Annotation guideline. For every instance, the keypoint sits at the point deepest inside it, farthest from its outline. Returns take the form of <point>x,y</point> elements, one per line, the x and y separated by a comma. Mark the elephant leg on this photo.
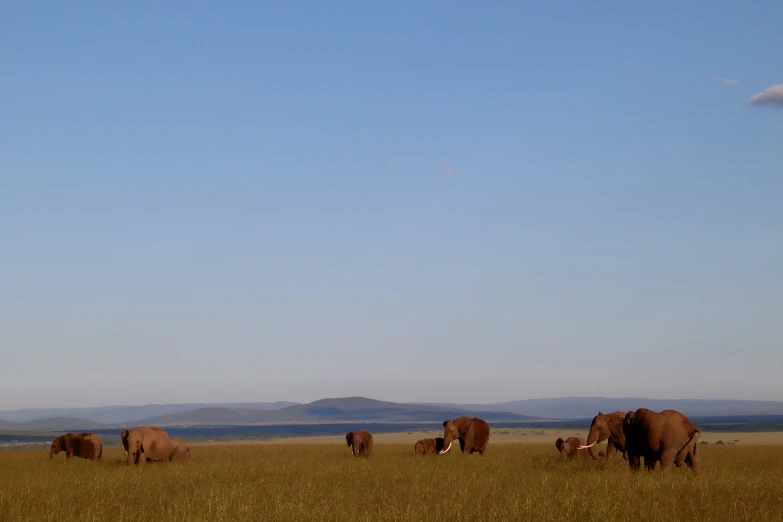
<point>681,459</point>
<point>687,455</point>
<point>668,458</point>
<point>695,459</point>
<point>634,462</point>
<point>610,451</point>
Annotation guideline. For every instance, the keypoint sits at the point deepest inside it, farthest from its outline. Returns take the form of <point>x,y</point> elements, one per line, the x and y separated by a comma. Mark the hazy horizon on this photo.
<point>447,403</point>
<point>452,203</point>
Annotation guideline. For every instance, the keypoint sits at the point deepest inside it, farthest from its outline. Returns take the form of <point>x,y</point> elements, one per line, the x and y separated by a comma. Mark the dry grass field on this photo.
<point>323,482</point>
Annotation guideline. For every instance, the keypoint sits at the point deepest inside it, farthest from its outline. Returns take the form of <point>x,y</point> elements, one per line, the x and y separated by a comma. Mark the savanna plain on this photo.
<point>322,481</point>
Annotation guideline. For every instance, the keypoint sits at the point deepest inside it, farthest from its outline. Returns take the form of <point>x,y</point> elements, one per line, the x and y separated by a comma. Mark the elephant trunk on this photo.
<point>595,453</point>
<point>592,439</point>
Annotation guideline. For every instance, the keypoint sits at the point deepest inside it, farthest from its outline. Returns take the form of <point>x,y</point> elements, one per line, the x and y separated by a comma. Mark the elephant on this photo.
<point>573,447</point>
<point>165,449</point>
<point>135,441</point>
<point>607,426</point>
<point>473,435</point>
<point>360,443</point>
<point>85,445</point>
<point>668,437</point>
<point>428,446</point>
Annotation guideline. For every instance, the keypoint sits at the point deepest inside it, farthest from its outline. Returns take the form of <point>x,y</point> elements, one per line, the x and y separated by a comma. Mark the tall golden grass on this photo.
<point>323,482</point>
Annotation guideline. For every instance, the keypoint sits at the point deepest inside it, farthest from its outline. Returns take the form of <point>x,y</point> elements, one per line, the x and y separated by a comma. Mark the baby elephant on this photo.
<point>428,446</point>
<point>569,448</point>
<point>84,445</point>
<point>165,449</point>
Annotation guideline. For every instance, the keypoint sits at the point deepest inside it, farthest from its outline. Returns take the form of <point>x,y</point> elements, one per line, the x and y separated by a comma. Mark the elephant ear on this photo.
<point>628,422</point>
<point>463,423</point>
<point>349,438</point>
<point>559,443</point>
<point>68,440</point>
<point>59,443</point>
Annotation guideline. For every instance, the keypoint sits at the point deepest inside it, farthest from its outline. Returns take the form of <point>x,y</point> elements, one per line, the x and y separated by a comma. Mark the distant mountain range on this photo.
<point>348,409</point>
<point>122,414</point>
<point>361,409</point>
<point>331,410</point>
<point>569,408</point>
<point>51,423</point>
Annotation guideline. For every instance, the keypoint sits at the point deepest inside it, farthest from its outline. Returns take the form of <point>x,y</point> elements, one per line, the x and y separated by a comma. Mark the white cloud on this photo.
<point>772,97</point>
<point>725,81</point>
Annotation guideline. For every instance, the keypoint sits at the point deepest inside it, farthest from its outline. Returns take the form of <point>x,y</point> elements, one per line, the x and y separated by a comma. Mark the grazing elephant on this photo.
<point>473,435</point>
<point>165,449</point>
<point>360,443</point>
<point>135,441</point>
<point>668,437</point>
<point>428,446</point>
<point>84,445</point>
<point>607,427</point>
<point>574,447</point>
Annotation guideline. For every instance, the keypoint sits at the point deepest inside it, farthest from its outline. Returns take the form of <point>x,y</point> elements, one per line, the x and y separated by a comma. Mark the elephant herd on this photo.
<point>667,437</point>
<point>141,445</point>
<point>472,434</point>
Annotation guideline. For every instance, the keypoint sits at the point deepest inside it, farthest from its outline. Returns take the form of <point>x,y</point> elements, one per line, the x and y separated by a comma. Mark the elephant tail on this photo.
<point>691,446</point>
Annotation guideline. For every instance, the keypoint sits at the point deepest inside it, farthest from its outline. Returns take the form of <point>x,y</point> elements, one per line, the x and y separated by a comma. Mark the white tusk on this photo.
<point>446,450</point>
<point>588,446</point>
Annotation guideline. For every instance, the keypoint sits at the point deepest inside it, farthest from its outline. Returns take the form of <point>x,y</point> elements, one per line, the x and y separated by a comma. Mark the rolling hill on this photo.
<point>51,424</point>
<point>329,410</point>
<point>201,416</point>
<point>124,414</point>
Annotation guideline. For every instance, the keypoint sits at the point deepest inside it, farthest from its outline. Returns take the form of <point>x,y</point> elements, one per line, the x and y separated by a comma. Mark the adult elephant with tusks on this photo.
<point>606,427</point>
<point>360,443</point>
<point>473,435</point>
<point>668,437</point>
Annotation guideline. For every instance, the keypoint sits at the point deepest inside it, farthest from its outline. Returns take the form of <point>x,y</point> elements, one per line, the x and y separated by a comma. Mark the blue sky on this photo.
<point>425,201</point>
